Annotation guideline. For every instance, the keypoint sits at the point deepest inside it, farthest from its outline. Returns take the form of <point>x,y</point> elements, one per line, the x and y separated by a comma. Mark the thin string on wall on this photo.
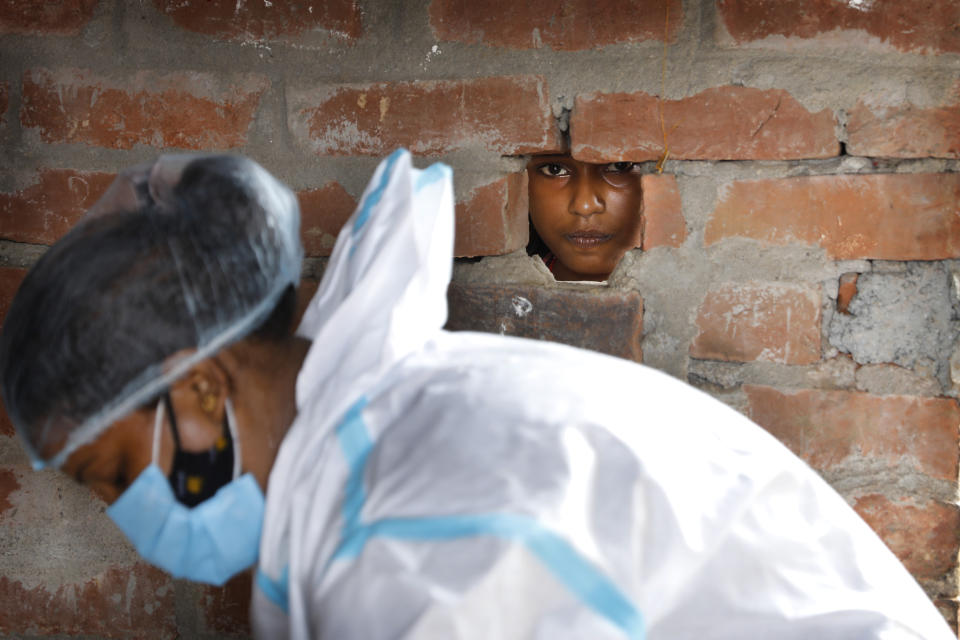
<point>663,88</point>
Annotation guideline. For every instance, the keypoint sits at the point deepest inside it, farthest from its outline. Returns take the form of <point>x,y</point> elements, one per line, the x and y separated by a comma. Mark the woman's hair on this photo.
<point>123,291</point>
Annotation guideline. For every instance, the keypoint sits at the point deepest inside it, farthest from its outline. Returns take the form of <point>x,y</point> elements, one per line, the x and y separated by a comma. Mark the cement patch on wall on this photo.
<point>904,318</point>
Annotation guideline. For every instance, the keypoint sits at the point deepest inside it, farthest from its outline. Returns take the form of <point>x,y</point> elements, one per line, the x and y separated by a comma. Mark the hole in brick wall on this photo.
<point>583,216</point>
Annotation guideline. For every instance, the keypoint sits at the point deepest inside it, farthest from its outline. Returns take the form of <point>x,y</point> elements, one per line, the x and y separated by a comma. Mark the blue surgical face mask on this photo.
<point>208,543</point>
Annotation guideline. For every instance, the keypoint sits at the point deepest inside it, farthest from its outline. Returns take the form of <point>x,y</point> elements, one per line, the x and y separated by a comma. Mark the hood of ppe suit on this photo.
<point>383,296</point>
<point>384,291</point>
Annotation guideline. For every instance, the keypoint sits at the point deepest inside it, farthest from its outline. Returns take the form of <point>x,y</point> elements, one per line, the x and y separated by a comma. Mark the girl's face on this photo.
<point>588,215</point>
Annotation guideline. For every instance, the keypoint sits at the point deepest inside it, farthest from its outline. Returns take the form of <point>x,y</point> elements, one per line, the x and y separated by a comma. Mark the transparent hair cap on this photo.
<point>216,262</point>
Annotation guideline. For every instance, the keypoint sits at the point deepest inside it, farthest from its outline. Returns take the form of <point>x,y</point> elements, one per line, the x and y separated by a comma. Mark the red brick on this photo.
<point>925,536</point>
<point>229,19</point>
<point>827,428</point>
<point>61,17</point>
<point>4,102</point>
<point>493,218</point>
<point>508,115</point>
<point>10,279</point>
<point>187,110</point>
<point>6,424</point>
<point>846,291</point>
<point>884,217</point>
<point>908,25</point>
<point>904,131</point>
<point>128,602</point>
<point>8,485</point>
<point>44,211</point>
<point>663,221</point>
<point>771,322</point>
<point>573,25</point>
<point>598,318</point>
<point>226,609</point>
<point>723,123</point>
<point>323,212</point>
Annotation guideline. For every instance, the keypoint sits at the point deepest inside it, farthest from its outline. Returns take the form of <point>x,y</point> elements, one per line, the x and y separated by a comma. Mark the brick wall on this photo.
<point>800,260</point>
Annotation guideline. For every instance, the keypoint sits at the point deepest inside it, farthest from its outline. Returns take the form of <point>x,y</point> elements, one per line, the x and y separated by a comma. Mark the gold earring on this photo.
<point>208,402</point>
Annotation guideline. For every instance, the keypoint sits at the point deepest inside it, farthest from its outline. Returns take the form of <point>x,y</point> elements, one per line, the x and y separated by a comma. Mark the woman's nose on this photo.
<point>586,199</point>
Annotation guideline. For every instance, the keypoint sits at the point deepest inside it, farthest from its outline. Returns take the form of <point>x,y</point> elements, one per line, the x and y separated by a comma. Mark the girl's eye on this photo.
<point>618,167</point>
<point>554,170</point>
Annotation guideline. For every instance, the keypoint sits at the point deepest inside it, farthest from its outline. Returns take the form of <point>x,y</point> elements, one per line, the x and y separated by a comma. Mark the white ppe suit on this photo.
<point>465,486</point>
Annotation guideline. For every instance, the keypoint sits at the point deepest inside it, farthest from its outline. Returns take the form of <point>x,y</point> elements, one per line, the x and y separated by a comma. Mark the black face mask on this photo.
<point>195,477</point>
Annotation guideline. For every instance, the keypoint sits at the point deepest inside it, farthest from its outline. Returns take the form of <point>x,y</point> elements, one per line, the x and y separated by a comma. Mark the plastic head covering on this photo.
<point>179,258</point>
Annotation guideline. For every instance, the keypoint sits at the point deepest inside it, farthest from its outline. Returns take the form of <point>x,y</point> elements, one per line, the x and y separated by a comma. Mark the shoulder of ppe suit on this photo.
<point>536,377</point>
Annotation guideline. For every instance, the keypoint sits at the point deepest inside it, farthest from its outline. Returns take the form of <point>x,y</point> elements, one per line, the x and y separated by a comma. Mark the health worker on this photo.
<point>385,479</point>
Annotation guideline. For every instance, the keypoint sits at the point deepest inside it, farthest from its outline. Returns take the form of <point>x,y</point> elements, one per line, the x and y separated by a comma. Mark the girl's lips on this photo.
<point>587,239</point>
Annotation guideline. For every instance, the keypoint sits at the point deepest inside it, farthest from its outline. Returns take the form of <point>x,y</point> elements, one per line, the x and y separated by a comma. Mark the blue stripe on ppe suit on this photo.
<point>567,565</point>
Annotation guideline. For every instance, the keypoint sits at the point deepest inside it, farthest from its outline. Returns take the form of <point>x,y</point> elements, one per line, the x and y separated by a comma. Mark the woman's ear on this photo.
<point>199,402</point>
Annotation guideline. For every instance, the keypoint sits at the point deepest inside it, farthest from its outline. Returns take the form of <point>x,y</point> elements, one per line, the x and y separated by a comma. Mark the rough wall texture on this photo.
<point>801,262</point>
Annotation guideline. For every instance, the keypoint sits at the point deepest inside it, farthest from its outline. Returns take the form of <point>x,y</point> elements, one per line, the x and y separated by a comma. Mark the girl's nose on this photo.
<point>586,199</point>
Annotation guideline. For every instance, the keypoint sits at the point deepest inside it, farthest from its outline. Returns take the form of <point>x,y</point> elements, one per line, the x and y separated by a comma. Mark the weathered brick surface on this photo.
<point>45,210</point>
<point>663,221</point>
<point>599,319</point>
<point>226,609</point>
<point>723,123</point>
<point>925,535</point>
<point>908,25</point>
<point>846,290</point>
<point>228,19</point>
<point>8,485</point>
<point>63,17</point>
<point>4,103</point>
<point>127,602</point>
<point>830,428</point>
<point>568,26</point>
<point>885,216</point>
<point>492,219</point>
<point>903,131</point>
<point>10,279</point>
<point>322,213</point>
<point>188,110</point>
<point>772,322</point>
<point>6,425</point>
<point>504,114</point>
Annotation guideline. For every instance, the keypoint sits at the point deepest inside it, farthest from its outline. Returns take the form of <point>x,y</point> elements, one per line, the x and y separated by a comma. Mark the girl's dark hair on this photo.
<point>535,245</point>
<point>123,291</point>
